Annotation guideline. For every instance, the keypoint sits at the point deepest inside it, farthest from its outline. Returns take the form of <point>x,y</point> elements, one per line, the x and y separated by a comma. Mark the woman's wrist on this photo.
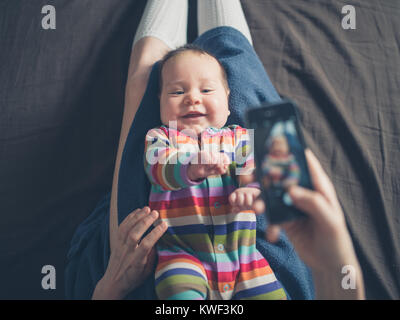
<point>107,290</point>
<point>345,282</point>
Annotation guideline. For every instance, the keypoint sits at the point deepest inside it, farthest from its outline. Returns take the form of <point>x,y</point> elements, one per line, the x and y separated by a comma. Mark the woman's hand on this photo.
<point>132,260</point>
<point>323,229</point>
<point>321,239</point>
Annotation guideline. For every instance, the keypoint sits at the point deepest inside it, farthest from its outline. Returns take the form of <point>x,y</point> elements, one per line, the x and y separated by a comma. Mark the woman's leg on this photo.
<point>249,83</point>
<point>162,28</point>
<point>165,20</point>
<point>217,13</point>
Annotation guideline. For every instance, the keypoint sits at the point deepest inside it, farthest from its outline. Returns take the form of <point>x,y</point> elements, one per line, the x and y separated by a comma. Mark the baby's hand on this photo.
<point>208,164</point>
<point>243,198</point>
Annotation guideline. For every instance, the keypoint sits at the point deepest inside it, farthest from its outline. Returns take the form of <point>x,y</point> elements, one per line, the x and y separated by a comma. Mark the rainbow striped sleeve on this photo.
<point>164,164</point>
<point>244,157</point>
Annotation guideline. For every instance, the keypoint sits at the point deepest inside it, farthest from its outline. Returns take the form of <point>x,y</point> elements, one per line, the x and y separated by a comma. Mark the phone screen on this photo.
<point>280,160</point>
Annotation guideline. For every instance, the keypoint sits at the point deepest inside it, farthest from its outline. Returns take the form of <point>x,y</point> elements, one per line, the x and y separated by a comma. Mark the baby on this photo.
<point>209,249</point>
<point>280,169</point>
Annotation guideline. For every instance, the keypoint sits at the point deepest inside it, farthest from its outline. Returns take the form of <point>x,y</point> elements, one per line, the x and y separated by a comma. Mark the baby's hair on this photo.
<point>189,48</point>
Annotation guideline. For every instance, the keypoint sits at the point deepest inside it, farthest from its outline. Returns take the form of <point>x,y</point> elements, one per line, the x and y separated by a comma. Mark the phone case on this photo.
<point>279,154</point>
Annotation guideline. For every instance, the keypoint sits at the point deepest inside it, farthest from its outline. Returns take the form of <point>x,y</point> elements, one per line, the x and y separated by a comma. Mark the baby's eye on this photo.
<point>207,90</point>
<point>176,92</point>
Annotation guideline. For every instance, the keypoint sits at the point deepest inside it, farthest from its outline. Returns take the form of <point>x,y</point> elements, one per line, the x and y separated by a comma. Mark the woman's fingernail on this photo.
<point>145,210</point>
<point>154,214</point>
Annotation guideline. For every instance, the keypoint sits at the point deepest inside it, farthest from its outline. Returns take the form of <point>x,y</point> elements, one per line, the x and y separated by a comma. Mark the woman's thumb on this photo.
<point>310,202</point>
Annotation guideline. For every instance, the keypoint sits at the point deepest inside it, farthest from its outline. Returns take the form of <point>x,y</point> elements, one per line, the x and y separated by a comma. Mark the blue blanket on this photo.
<point>249,85</point>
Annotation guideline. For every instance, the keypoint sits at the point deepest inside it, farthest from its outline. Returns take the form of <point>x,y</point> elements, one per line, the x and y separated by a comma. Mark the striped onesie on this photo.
<point>207,252</point>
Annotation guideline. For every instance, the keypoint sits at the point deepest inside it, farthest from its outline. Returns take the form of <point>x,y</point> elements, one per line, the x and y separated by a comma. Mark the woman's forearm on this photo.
<point>344,280</point>
<point>344,283</point>
<point>106,291</point>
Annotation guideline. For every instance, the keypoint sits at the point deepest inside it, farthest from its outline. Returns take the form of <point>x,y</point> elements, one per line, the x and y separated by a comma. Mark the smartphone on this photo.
<point>279,156</point>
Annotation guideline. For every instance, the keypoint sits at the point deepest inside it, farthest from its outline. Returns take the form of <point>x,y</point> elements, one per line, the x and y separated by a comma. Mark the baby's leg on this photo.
<point>180,276</point>
<point>256,280</point>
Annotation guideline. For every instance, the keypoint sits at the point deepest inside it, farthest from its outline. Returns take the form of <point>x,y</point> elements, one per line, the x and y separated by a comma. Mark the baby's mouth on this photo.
<point>193,114</point>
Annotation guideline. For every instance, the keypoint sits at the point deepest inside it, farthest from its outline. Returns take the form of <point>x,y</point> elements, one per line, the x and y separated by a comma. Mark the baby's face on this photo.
<point>193,92</point>
<point>279,146</point>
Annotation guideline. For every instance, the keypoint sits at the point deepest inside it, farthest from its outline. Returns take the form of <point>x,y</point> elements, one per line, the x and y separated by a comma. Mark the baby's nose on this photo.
<point>192,98</point>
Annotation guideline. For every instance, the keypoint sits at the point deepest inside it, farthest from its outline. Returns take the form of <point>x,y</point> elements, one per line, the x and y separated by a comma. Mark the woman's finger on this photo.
<point>320,179</point>
<point>272,233</point>
<point>127,224</point>
<point>308,201</point>
<point>140,228</point>
<point>150,240</point>
<point>150,260</point>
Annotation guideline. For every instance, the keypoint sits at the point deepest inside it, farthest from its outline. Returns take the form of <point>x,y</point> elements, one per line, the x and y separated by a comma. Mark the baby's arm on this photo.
<point>243,197</point>
<point>243,153</point>
<point>172,169</point>
<point>164,164</point>
<point>206,164</point>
